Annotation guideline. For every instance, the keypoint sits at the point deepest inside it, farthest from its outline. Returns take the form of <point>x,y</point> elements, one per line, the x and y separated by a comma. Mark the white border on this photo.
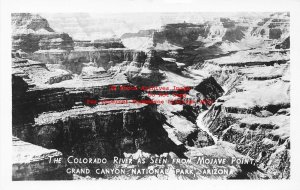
<point>116,6</point>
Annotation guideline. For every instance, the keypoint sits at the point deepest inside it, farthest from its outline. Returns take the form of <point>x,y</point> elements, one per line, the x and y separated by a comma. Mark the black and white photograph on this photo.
<point>153,95</point>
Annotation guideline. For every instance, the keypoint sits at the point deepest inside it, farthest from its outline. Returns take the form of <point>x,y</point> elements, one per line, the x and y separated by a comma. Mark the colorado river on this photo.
<point>203,127</point>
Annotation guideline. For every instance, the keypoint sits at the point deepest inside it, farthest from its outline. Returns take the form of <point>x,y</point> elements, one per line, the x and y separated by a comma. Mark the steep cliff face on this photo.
<point>32,32</point>
<point>108,130</point>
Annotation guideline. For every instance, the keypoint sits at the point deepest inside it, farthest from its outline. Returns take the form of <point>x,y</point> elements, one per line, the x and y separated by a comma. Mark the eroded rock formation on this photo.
<point>254,119</point>
<point>32,33</point>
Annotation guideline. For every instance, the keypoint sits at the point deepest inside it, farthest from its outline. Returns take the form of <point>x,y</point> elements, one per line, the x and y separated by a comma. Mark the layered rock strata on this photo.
<point>254,119</point>
<point>32,33</point>
<point>74,60</point>
<point>193,43</point>
<point>108,130</point>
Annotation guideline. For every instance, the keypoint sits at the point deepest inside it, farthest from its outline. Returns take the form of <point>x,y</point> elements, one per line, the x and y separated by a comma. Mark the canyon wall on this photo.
<point>72,60</point>
<point>192,43</point>
<point>254,113</point>
<point>32,32</point>
<point>108,130</point>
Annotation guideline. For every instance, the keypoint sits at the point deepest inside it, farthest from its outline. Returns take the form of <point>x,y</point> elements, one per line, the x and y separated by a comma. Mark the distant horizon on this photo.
<point>93,26</point>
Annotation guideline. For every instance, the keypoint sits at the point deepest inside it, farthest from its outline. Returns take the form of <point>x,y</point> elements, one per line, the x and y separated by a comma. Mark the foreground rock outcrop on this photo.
<point>32,162</point>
